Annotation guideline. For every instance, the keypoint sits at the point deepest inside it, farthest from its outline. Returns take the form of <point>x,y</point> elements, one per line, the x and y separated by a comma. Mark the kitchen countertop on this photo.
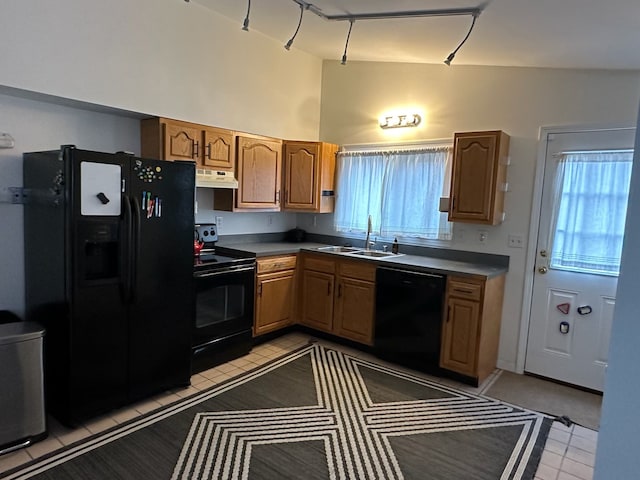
<point>412,262</point>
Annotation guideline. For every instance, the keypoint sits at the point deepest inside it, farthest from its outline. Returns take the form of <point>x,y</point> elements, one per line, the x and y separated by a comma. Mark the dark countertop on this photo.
<point>410,262</point>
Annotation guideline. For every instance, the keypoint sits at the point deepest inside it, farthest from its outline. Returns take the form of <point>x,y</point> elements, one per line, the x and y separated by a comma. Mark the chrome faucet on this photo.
<point>367,246</point>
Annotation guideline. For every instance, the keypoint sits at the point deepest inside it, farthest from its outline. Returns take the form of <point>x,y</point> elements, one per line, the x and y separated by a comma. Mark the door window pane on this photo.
<point>592,189</point>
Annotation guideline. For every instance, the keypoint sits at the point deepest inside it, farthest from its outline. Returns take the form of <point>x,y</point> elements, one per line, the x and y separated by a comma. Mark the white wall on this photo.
<point>161,57</point>
<point>617,453</point>
<point>460,98</point>
<point>36,126</point>
<point>151,57</point>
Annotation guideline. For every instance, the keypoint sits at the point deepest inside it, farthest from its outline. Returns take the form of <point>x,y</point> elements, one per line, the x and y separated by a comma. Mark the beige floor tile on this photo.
<point>198,378</point>
<point>583,443</point>
<point>545,472</point>
<point>168,398</point>
<point>555,446</point>
<point>125,414</point>
<point>147,406</point>
<point>187,392</point>
<point>587,433</point>
<point>581,456</point>
<point>567,476</point>
<point>13,459</point>
<point>100,424</point>
<point>205,385</point>
<point>43,447</point>
<point>559,435</point>
<point>226,367</point>
<point>71,436</point>
<point>580,470</point>
<point>551,459</point>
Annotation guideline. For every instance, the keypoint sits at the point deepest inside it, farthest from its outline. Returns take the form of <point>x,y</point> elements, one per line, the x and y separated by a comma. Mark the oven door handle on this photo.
<point>222,272</point>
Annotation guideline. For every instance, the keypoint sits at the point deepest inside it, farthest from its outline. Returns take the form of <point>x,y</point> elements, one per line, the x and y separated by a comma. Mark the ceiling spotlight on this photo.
<point>346,45</point>
<point>453,54</point>
<point>290,42</point>
<point>245,24</point>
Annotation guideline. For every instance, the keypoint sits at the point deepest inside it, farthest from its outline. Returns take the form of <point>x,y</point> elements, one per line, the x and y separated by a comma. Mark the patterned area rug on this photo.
<point>316,413</point>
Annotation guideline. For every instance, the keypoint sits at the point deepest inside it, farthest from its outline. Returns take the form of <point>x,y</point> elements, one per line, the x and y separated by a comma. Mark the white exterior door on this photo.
<point>575,279</point>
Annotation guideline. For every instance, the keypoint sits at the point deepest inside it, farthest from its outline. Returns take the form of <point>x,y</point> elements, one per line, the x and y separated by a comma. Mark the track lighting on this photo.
<point>453,54</point>
<point>346,44</point>
<point>295,34</point>
<point>245,24</point>
<point>351,18</point>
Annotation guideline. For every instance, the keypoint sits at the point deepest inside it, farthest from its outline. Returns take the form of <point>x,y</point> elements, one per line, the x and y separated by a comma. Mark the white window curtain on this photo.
<point>591,191</point>
<point>401,191</point>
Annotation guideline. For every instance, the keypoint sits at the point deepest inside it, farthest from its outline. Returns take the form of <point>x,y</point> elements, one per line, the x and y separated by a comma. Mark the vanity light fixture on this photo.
<point>352,17</point>
<point>399,121</point>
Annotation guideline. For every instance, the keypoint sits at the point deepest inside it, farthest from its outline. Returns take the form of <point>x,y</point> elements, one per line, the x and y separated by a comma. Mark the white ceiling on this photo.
<point>534,33</point>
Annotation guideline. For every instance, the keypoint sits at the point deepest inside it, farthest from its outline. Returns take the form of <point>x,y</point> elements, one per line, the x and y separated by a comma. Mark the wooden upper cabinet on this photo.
<point>181,142</point>
<point>259,172</point>
<point>218,149</point>
<point>309,170</point>
<point>478,177</point>
<point>165,139</point>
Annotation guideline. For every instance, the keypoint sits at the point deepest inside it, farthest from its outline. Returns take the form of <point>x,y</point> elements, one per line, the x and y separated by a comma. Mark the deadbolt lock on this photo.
<point>543,253</point>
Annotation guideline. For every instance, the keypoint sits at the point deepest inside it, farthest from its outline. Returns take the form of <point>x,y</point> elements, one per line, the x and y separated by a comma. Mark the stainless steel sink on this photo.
<point>339,249</point>
<point>375,253</point>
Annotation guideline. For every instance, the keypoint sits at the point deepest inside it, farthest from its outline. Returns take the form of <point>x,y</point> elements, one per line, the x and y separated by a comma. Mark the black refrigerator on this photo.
<point>109,273</point>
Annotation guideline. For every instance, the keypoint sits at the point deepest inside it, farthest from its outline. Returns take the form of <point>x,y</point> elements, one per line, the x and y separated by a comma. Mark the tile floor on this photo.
<point>569,453</point>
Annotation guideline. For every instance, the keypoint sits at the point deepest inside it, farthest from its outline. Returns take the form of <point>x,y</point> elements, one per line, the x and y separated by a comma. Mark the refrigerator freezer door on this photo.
<point>100,189</point>
<point>162,313</point>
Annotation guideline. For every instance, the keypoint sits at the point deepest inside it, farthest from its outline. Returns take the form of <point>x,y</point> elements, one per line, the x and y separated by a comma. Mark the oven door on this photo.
<point>224,303</point>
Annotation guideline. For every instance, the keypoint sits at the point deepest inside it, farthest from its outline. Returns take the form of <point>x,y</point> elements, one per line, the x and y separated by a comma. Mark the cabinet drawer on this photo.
<point>464,288</point>
<point>275,264</point>
<point>319,264</point>
<point>360,270</point>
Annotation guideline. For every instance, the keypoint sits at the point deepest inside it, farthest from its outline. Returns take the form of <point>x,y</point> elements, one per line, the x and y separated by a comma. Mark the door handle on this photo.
<point>543,270</point>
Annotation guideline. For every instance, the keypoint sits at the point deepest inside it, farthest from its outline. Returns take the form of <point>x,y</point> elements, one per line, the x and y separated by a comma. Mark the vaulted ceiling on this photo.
<point>603,34</point>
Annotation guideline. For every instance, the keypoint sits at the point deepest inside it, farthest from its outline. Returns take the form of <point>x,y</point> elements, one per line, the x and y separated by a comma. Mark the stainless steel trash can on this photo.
<point>22,415</point>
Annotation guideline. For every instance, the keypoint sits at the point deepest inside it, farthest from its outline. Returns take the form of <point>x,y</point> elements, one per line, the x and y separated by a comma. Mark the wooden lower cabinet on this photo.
<point>471,329</point>
<point>338,297</point>
<point>317,300</point>
<point>275,294</point>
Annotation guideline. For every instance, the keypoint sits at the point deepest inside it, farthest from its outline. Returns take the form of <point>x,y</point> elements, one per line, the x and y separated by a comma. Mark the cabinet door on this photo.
<point>477,177</point>
<point>460,336</point>
<point>301,176</point>
<point>355,300</point>
<point>317,300</point>
<point>259,172</point>
<point>274,301</point>
<point>181,142</point>
<point>219,151</point>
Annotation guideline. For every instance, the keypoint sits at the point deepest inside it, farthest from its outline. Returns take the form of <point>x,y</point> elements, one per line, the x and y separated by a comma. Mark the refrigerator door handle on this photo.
<point>135,245</point>
<point>125,250</point>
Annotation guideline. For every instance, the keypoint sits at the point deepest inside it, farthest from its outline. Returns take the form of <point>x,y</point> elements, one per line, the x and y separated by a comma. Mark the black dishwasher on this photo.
<point>409,307</point>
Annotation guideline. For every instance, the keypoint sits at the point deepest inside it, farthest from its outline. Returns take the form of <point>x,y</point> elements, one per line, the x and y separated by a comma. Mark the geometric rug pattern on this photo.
<point>316,413</point>
<point>356,430</point>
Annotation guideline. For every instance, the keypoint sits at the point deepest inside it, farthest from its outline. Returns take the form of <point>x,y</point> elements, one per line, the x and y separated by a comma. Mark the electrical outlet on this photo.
<point>269,219</point>
<point>515,241</point>
<point>315,221</point>
<point>219,221</point>
<point>483,236</point>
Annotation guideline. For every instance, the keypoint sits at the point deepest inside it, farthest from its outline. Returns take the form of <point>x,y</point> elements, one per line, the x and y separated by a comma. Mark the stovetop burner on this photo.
<point>218,259</point>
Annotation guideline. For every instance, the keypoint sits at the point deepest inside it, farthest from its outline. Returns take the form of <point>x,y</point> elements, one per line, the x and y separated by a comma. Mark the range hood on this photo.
<point>215,179</point>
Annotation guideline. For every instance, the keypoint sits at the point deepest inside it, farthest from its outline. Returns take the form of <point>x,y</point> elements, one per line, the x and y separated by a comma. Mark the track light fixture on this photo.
<point>346,44</point>
<point>245,24</point>
<point>351,18</point>
<point>295,34</point>
<point>453,54</point>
